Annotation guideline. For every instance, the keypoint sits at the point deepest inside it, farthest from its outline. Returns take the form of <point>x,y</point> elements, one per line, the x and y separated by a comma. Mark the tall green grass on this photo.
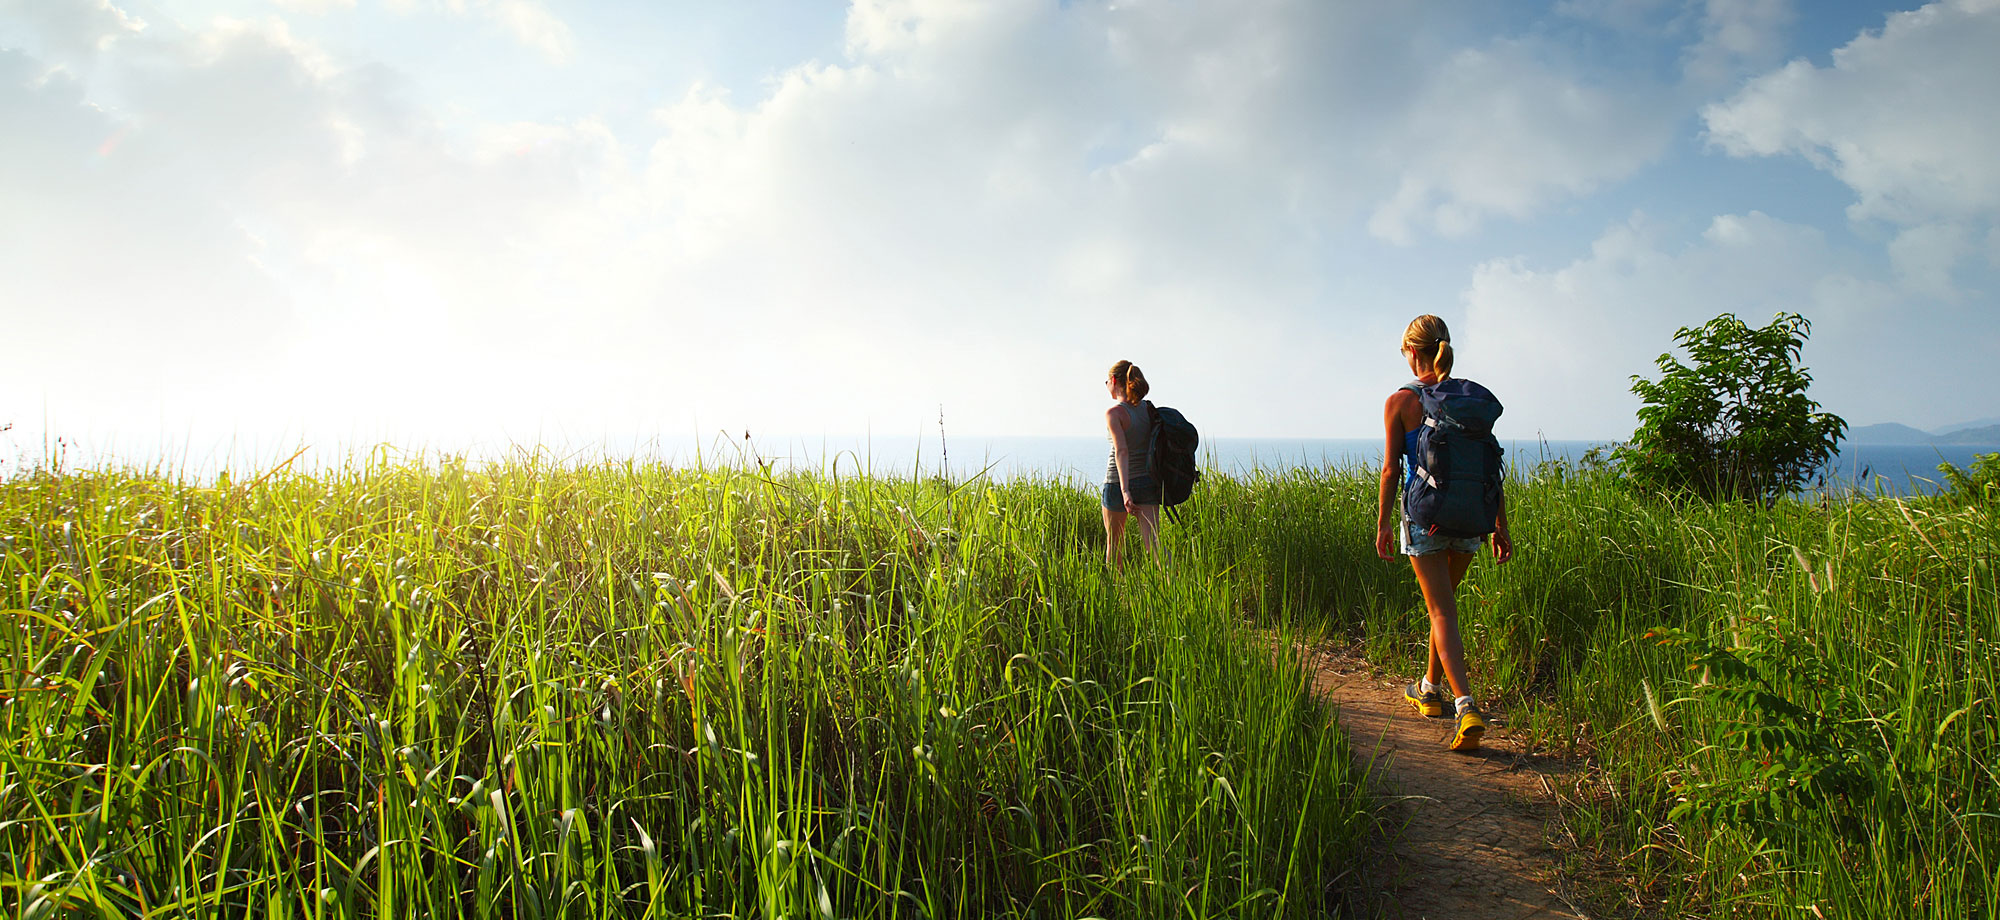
<point>538,689</point>
<point>1822,739</point>
<point>532,688</point>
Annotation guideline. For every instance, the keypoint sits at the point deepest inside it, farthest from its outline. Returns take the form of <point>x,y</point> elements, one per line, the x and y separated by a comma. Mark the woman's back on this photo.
<point>1137,426</point>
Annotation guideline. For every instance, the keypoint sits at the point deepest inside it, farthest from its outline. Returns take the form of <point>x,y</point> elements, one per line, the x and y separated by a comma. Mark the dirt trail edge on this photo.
<point>1463,834</point>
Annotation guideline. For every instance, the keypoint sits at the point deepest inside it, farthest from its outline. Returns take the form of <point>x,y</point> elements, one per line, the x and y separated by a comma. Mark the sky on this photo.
<point>453,222</point>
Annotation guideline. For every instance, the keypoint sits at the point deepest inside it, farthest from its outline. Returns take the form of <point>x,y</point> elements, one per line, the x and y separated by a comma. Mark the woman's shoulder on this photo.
<point>1402,397</point>
<point>1401,411</point>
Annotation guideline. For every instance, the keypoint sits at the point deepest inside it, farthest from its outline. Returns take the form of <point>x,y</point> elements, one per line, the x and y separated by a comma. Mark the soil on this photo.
<point>1463,835</point>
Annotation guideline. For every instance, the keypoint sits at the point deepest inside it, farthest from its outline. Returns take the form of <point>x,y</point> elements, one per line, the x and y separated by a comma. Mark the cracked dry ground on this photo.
<point>1463,833</point>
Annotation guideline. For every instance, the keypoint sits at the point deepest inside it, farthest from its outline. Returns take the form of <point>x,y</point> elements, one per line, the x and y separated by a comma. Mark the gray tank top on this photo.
<point>1138,428</point>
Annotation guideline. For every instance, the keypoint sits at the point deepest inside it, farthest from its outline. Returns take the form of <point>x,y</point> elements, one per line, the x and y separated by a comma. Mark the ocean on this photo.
<point>1892,469</point>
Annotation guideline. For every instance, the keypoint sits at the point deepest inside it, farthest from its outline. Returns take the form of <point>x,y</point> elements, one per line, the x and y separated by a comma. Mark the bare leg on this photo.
<point>1114,538</point>
<point>1149,528</point>
<point>1434,669</point>
<point>1438,574</point>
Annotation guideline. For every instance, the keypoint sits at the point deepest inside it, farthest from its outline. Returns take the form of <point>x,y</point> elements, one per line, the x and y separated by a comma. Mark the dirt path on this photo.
<point>1464,836</point>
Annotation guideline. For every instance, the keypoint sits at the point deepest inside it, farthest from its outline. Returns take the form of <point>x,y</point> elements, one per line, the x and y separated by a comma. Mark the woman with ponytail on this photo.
<point>1440,561</point>
<point>1129,487</point>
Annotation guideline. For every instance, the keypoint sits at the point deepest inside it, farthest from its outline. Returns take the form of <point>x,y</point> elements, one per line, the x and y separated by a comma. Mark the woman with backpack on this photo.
<point>1129,487</point>
<point>1441,559</point>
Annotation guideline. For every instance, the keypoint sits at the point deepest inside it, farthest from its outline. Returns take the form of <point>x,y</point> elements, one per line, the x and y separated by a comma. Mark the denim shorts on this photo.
<point>1418,543</point>
<point>1144,492</point>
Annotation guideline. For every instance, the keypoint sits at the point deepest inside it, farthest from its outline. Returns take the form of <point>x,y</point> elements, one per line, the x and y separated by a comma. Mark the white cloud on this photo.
<point>1561,345</point>
<point>1737,34</point>
<point>1499,132</point>
<point>251,230</point>
<point>534,25</point>
<point>1925,255</point>
<point>71,32</point>
<point>986,170</point>
<point>1721,40</point>
<point>1909,117</point>
<point>528,21</point>
<point>314,7</point>
<point>1623,15</point>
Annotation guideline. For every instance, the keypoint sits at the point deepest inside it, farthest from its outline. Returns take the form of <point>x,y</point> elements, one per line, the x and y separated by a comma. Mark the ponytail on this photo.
<point>1136,386</point>
<point>1427,337</point>
<point>1131,380</point>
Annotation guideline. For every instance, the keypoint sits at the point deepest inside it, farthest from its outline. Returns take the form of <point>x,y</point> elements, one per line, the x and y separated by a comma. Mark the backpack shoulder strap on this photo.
<point>1424,399</point>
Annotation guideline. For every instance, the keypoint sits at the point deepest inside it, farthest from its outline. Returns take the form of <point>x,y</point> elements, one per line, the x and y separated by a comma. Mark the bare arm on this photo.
<point>1392,469</point>
<point>1120,452</point>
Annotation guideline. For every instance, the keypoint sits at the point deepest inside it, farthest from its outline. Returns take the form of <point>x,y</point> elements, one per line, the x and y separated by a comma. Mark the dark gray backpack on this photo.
<point>1171,455</point>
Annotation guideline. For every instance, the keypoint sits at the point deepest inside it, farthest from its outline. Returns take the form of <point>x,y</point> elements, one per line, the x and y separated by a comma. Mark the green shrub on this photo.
<point>1737,424</point>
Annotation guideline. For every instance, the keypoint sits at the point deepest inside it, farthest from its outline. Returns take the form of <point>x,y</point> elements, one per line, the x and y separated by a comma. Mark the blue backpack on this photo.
<point>1458,479</point>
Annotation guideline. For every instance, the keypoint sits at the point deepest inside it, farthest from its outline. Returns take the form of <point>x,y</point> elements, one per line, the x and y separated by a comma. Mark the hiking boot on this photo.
<point>1430,704</point>
<point>1471,726</point>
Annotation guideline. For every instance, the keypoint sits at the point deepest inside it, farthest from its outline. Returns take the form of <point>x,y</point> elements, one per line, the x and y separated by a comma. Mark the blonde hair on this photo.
<point>1131,380</point>
<point>1428,338</point>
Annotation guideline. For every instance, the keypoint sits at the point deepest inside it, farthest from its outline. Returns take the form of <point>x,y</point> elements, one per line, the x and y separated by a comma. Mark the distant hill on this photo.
<point>1962,426</point>
<point>1989,434</point>
<point>1893,433</point>
<point>1889,433</point>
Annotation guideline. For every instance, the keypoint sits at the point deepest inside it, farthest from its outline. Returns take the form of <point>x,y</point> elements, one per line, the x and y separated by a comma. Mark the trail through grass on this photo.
<point>1796,705</point>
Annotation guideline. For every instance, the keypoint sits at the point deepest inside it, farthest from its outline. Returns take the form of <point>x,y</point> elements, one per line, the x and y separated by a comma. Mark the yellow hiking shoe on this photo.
<point>1430,704</point>
<point>1471,726</point>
